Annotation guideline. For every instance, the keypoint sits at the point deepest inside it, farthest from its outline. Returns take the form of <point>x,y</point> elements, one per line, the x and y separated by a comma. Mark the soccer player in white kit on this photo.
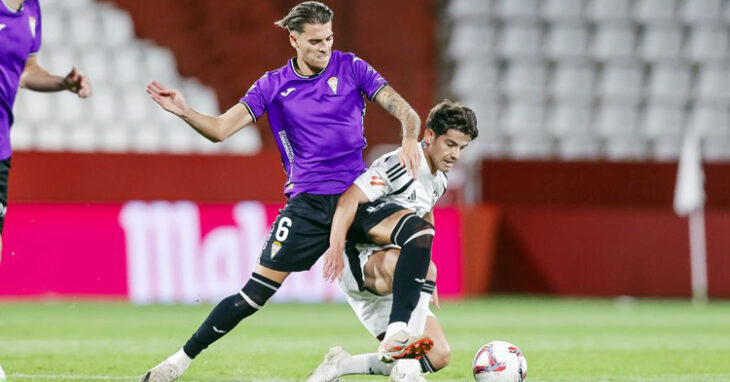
<point>373,212</point>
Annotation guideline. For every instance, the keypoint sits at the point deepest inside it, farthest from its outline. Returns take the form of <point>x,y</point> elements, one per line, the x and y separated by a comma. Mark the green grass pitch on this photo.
<point>563,340</point>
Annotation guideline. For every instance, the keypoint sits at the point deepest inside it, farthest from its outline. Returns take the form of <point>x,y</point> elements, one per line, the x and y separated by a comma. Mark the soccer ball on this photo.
<point>499,361</point>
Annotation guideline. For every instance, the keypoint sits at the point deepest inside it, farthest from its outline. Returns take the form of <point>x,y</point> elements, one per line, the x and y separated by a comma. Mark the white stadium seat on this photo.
<point>566,41</point>
<point>659,121</point>
<point>714,84</point>
<point>573,82</point>
<point>84,31</point>
<point>520,40</point>
<point>708,43</point>
<point>666,148</point>
<point>621,82</point>
<point>655,11</point>
<point>617,120</point>
<point>711,122</point>
<point>716,150</point>
<point>84,137</point>
<point>579,148</point>
<point>702,11</point>
<point>603,11</point>
<point>530,148</point>
<point>661,43</point>
<point>562,10</point>
<point>670,83</point>
<point>52,137</point>
<point>469,40</point>
<point>117,26</point>
<point>524,119</point>
<point>69,108</point>
<point>517,9</point>
<point>614,42</point>
<point>626,149</point>
<point>475,78</point>
<point>525,80</point>
<point>460,10</point>
<point>114,137</point>
<point>571,120</point>
<point>22,135</point>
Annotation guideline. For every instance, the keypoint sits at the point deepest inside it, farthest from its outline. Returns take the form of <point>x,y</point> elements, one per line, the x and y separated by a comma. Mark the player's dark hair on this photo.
<point>452,115</point>
<point>308,12</point>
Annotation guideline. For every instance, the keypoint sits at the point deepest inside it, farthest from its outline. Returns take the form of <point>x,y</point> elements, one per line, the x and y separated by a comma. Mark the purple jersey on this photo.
<point>317,121</point>
<point>20,37</point>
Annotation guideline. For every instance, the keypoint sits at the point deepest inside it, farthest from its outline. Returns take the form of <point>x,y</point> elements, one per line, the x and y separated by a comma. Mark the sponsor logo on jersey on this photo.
<point>377,181</point>
<point>332,82</point>
<point>31,24</point>
<point>275,247</point>
<point>287,91</point>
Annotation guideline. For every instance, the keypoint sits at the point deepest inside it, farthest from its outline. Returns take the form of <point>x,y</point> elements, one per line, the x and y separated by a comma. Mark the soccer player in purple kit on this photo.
<point>20,40</point>
<point>315,105</point>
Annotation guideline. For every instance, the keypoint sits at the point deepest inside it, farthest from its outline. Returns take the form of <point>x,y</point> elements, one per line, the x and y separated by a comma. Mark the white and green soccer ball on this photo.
<point>499,361</point>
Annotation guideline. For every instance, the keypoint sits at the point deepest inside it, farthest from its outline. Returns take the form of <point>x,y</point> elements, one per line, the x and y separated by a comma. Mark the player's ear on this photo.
<point>428,136</point>
<point>293,41</point>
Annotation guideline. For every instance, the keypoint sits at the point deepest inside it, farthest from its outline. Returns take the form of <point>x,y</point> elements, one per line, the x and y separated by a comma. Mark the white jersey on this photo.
<point>386,180</point>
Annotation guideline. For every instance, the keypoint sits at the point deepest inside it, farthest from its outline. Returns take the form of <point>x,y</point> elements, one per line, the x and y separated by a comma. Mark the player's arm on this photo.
<point>37,78</point>
<point>341,222</point>
<point>215,129</point>
<point>393,103</point>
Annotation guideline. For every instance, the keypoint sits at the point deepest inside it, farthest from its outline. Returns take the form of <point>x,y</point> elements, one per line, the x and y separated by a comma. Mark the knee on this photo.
<point>440,355</point>
<point>413,231</point>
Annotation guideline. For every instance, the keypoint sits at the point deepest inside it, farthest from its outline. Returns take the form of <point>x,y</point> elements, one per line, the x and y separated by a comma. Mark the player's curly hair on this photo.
<point>452,115</point>
<point>308,12</point>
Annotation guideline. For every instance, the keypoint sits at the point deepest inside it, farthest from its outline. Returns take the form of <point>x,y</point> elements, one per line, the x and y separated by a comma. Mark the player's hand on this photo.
<point>333,264</point>
<point>410,156</point>
<point>77,82</point>
<point>169,99</point>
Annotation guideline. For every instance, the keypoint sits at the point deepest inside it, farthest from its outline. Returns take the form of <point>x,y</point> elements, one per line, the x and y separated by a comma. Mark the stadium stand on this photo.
<point>119,117</point>
<point>594,79</point>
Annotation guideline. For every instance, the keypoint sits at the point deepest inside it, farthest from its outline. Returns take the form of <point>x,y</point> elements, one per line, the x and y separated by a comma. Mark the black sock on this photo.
<point>426,365</point>
<point>414,235</point>
<point>229,312</point>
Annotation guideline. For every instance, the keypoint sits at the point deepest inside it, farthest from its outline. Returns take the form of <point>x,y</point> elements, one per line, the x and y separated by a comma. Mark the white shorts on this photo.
<point>373,310</point>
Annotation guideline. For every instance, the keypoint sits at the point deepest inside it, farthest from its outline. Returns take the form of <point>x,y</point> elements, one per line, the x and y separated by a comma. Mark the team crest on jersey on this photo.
<point>275,247</point>
<point>32,24</point>
<point>332,82</point>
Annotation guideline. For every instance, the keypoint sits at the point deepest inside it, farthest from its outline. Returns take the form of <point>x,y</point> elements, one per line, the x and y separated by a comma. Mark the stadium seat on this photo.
<point>563,10</point>
<point>52,137</point>
<point>622,82</point>
<point>68,108</point>
<point>159,63</point>
<point>470,39</point>
<point>708,43</point>
<point>573,82</point>
<point>54,28</point>
<point>22,135</point>
<point>95,63</point>
<point>603,11</point>
<point>670,83</point>
<point>567,121</point>
<point>179,140</point>
<point>520,41</point>
<point>34,107</point>
<point>84,30</point>
<point>661,43</point>
<point>114,138</point>
<point>136,105</point>
<point>126,65</point>
<point>711,122</point>
<point>566,41</point>
<point>117,27</point>
<point>579,148</point>
<point>201,97</point>
<point>626,148</point>
<point>714,84</point>
<point>716,150</point>
<point>617,121</point>
<point>244,142</point>
<point>460,10</point>
<point>524,119</point>
<point>517,9</point>
<point>105,105</point>
<point>530,148</point>
<point>145,138</point>
<point>58,60</point>
<point>702,11</point>
<point>661,121</point>
<point>525,80</point>
<point>614,42</point>
<point>655,11</point>
<point>463,82</point>
<point>666,148</point>
<point>84,137</point>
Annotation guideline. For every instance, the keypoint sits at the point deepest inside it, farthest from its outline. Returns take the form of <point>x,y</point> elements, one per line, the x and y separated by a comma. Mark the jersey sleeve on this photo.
<point>368,79</point>
<point>36,44</point>
<point>257,97</point>
<point>384,177</point>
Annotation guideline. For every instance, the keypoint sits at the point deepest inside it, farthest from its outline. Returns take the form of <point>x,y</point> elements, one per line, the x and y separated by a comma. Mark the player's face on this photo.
<point>314,46</point>
<point>445,150</point>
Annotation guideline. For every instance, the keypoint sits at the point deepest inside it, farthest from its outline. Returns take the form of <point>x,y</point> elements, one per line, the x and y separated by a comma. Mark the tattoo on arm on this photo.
<point>399,108</point>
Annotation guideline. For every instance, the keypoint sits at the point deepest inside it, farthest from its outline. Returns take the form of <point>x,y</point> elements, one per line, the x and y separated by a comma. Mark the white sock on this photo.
<point>364,364</point>
<point>394,328</point>
<point>2,374</point>
<point>408,366</point>
<point>181,360</point>
<point>417,323</point>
